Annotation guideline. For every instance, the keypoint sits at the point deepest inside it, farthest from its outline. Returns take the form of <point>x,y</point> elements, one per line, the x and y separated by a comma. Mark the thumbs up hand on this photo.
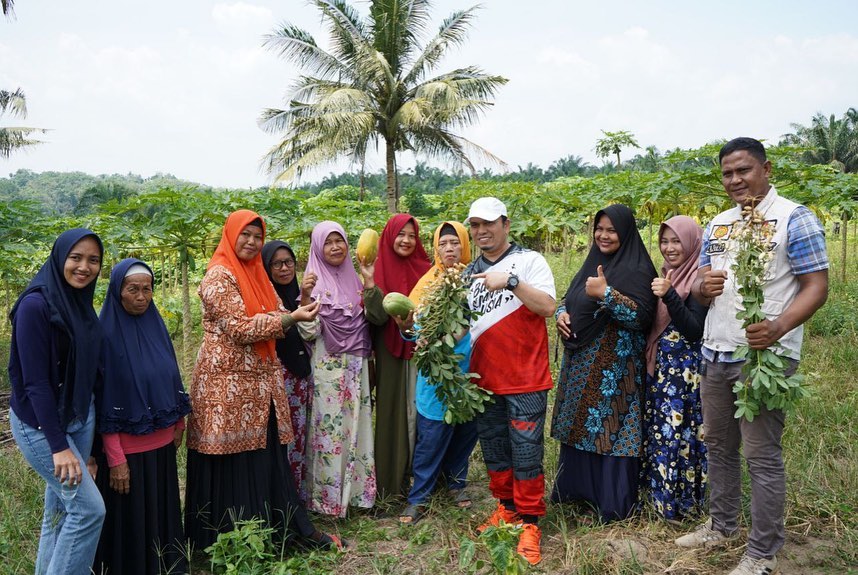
<point>596,286</point>
<point>660,286</point>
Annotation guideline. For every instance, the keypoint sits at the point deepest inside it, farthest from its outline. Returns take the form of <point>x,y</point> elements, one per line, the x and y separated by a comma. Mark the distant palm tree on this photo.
<point>374,85</point>
<point>13,138</point>
<point>7,6</point>
<point>832,141</point>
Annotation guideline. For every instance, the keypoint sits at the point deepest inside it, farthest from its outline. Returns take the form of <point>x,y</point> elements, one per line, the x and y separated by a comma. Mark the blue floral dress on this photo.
<point>675,455</point>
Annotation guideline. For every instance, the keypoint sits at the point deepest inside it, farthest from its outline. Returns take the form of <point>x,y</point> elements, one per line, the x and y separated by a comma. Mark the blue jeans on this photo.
<point>70,529</point>
<point>440,448</point>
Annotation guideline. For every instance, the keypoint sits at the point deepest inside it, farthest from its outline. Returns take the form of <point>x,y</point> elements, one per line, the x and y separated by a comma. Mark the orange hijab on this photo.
<point>256,290</point>
<point>420,287</point>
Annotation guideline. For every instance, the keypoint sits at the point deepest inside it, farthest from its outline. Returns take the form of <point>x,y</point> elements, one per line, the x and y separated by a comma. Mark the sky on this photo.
<point>177,86</point>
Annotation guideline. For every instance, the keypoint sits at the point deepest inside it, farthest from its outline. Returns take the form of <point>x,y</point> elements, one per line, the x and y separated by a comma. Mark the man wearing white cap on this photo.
<point>513,291</point>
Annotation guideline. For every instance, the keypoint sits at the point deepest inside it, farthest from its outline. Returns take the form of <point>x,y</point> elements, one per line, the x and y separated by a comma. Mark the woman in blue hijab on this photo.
<point>54,363</point>
<point>140,416</point>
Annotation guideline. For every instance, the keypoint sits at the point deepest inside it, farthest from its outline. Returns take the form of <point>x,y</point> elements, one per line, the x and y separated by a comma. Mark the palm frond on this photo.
<point>13,103</point>
<point>16,138</point>
<point>453,32</point>
<point>298,46</point>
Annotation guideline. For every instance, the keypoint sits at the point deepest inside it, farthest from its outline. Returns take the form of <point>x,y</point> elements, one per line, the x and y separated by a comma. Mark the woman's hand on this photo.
<point>660,286</point>
<point>564,325</point>
<point>307,312</point>
<point>262,321</point>
<point>308,283</point>
<point>177,436</point>
<point>120,478</point>
<point>67,467</point>
<point>367,272</point>
<point>404,324</point>
<point>597,285</point>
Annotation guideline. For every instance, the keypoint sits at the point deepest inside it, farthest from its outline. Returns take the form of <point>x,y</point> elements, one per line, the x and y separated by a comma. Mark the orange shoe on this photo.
<point>528,543</point>
<point>500,514</point>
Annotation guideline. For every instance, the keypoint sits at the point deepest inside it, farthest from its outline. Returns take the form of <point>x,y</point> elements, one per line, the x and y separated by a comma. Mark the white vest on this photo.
<point>723,332</point>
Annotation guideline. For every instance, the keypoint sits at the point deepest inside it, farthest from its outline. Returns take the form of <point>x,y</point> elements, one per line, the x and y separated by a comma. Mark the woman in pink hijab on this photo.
<point>674,452</point>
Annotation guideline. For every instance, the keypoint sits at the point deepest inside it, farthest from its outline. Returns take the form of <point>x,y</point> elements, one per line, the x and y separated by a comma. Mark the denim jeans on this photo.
<point>441,448</point>
<point>70,528</point>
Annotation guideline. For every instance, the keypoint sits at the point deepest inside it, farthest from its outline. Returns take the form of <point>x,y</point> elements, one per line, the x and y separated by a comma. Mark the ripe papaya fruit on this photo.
<point>367,246</point>
<point>397,304</point>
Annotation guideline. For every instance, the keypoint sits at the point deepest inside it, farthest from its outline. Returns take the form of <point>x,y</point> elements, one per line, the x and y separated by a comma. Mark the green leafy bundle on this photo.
<point>764,380</point>
<point>443,313</point>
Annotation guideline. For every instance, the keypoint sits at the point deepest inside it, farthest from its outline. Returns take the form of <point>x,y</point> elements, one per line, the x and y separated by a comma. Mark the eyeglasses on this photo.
<point>279,264</point>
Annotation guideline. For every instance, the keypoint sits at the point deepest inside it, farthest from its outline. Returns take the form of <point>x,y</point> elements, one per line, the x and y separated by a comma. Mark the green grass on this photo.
<point>821,453</point>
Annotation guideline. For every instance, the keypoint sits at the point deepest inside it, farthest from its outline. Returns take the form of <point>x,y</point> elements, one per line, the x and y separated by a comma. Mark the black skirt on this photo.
<point>222,489</point>
<point>608,483</point>
<point>142,532</point>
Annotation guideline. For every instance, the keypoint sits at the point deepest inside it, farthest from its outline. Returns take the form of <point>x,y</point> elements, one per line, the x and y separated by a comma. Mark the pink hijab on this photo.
<point>690,235</point>
<point>339,290</point>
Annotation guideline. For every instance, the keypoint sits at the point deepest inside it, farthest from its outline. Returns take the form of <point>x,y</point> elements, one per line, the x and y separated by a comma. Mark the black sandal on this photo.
<point>462,498</point>
<point>412,514</point>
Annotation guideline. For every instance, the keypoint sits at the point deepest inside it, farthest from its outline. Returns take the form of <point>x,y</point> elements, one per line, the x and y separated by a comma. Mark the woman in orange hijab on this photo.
<point>238,464</point>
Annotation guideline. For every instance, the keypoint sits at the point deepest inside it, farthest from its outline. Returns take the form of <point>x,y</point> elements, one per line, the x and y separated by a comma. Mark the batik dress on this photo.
<point>675,456</point>
<point>597,414</point>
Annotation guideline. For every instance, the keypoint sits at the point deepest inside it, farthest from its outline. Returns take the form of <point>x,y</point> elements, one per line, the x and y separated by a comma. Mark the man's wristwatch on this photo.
<point>512,282</point>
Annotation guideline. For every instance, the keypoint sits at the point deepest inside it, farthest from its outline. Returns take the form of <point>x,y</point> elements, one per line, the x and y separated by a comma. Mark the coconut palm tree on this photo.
<point>375,85</point>
<point>7,6</point>
<point>13,138</point>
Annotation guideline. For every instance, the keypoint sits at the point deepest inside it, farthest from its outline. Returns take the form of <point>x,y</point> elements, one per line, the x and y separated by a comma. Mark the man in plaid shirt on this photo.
<point>796,285</point>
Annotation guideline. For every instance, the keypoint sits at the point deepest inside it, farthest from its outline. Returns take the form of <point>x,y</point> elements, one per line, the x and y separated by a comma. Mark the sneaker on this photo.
<point>500,514</point>
<point>703,536</point>
<point>528,543</point>
<point>751,566</point>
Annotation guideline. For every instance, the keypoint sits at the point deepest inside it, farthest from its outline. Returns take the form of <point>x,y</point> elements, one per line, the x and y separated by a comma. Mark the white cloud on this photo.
<point>242,15</point>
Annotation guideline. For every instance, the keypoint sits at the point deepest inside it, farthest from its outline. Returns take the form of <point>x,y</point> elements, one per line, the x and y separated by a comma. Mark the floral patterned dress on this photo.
<point>675,470</point>
<point>340,464</point>
<point>299,391</point>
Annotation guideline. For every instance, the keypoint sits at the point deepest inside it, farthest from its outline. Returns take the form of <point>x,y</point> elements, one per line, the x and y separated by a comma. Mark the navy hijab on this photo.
<point>629,270</point>
<point>143,388</point>
<point>291,350</point>
<point>72,313</point>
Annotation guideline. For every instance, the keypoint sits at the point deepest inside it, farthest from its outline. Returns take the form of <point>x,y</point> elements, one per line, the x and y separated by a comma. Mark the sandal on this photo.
<point>462,498</point>
<point>412,514</point>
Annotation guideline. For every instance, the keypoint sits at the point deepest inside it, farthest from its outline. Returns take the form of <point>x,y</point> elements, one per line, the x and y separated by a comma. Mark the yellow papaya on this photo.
<point>397,304</point>
<point>367,246</point>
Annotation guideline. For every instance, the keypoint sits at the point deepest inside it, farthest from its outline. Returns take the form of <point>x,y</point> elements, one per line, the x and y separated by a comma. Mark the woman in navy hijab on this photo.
<point>140,416</point>
<point>54,363</point>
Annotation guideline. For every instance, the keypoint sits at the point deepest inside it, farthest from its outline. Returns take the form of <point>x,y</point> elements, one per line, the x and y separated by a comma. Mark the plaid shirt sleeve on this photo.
<point>705,260</point>
<point>806,242</point>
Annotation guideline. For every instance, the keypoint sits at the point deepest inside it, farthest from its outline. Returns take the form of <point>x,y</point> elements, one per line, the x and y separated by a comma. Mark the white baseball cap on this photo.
<point>488,209</point>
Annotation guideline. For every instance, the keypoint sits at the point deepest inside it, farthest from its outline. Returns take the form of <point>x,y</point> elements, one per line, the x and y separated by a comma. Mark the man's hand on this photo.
<point>713,283</point>
<point>67,467</point>
<point>494,281</point>
<point>764,334</point>
<point>660,286</point>
<point>595,287</point>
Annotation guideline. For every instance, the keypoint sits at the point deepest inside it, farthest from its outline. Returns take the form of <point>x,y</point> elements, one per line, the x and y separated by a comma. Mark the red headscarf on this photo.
<point>256,290</point>
<point>395,273</point>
